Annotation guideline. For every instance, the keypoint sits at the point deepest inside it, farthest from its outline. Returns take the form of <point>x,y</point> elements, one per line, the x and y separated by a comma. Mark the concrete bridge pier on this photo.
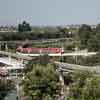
<point>3,46</point>
<point>6,47</point>
<point>9,59</point>
<point>75,58</point>
<point>0,46</point>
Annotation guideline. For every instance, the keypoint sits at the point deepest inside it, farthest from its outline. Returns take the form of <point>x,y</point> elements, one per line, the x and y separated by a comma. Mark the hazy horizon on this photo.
<point>49,12</point>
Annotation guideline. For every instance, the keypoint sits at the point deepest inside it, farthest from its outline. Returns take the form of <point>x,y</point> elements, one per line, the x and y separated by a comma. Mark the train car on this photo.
<point>39,50</point>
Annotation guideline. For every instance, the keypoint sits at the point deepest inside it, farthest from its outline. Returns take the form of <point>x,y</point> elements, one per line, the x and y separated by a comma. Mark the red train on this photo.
<point>39,50</point>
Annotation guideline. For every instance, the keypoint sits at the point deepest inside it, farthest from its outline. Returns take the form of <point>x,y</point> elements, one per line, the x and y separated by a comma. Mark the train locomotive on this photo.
<point>31,50</point>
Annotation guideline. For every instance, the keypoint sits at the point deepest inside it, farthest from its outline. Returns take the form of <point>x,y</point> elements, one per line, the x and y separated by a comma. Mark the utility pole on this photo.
<point>9,58</point>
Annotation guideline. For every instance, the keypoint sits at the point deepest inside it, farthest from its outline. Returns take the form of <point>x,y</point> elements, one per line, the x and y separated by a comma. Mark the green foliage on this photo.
<point>98,28</point>
<point>89,38</point>
<point>84,33</point>
<point>93,44</point>
<point>24,27</point>
<point>42,83</point>
<point>85,28</point>
<point>31,33</point>
<point>85,86</point>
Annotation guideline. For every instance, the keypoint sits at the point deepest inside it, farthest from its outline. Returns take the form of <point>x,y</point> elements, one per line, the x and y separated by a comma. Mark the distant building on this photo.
<point>8,29</point>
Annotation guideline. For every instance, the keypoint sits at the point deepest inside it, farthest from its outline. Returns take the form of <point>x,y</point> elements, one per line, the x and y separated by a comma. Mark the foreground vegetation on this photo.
<point>6,86</point>
<point>85,86</point>
<point>41,81</point>
<point>88,37</point>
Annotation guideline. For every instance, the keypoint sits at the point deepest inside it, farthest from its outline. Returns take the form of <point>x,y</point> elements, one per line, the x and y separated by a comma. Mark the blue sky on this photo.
<point>49,12</point>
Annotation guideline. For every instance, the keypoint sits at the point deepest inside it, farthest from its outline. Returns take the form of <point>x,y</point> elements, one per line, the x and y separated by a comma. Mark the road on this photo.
<point>73,67</point>
<point>14,55</point>
<point>10,61</point>
<point>35,41</point>
<point>63,54</point>
<point>29,56</point>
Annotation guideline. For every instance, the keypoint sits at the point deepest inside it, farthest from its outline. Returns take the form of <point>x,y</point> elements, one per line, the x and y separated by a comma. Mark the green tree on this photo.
<point>85,86</point>
<point>42,83</point>
<point>98,35</point>
<point>85,32</point>
<point>93,44</point>
<point>98,28</point>
<point>24,27</point>
<point>91,89</point>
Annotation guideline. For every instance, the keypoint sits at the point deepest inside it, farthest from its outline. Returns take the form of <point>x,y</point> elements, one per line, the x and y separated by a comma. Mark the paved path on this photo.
<point>14,55</point>
<point>10,61</point>
<point>64,54</point>
<point>73,67</point>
